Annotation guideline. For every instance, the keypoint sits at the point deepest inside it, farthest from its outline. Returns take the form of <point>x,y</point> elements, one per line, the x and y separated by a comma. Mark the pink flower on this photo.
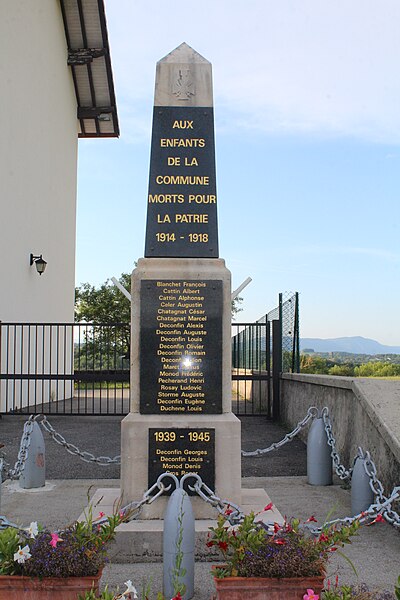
<point>54,540</point>
<point>277,527</point>
<point>310,595</point>
<point>280,542</point>
<point>101,515</point>
<point>311,519</point>
<point>379,519</point>
<point>269,506</point>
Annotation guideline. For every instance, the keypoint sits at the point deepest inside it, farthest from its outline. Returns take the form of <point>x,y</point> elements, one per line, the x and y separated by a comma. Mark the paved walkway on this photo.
<point>102,437</point>
<point>375,552</point>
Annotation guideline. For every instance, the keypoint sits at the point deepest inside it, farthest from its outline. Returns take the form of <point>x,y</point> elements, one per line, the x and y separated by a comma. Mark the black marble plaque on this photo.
<point>182,199</point>
<point>181,347</point>
<point>181,451</point>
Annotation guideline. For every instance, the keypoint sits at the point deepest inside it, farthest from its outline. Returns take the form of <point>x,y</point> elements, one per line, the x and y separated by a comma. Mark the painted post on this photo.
<point>178,545</point>
<point>319,460</point>
<point>362,495</point>
<point>34,473</point>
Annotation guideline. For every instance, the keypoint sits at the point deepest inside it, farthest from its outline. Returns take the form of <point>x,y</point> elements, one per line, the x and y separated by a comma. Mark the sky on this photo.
<point>307,118</point>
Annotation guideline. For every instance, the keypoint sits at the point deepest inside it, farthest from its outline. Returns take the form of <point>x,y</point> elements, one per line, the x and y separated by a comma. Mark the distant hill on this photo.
<point>355,345</point>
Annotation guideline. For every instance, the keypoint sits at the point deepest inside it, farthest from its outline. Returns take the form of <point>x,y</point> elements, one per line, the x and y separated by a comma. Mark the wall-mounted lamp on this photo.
<point>40,264</point>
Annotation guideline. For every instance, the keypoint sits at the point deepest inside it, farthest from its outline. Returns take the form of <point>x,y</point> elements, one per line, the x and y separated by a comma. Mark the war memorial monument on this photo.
<point>180,418</point>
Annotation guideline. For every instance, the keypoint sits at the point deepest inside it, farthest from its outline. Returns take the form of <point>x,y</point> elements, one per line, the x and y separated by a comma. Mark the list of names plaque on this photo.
<point>181,347</point>
<point>180,451</point>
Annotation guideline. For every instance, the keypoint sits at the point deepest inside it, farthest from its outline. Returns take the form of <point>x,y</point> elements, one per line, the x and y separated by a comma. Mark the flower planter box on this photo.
<point>266,588</point>
<point>48,588</point>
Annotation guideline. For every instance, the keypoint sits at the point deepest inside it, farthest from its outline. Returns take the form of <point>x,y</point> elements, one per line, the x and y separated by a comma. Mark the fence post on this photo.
<point>276,368</point>
<point>296,337</point>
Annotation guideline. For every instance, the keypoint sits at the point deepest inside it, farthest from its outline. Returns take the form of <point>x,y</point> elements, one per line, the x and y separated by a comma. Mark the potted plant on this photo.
<point>278,562</point>
<point>38,564</point>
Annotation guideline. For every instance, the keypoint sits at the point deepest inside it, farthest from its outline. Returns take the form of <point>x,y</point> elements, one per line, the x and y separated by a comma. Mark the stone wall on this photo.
<point>364,412</point>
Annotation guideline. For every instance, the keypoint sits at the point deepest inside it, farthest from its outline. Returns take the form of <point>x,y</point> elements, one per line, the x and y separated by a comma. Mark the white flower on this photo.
<point>130,588</point>
<point>22,554</point>
<point>33,529</point>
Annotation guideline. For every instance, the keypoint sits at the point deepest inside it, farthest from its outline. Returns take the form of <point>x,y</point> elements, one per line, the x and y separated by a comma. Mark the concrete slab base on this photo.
<point>141,539</point>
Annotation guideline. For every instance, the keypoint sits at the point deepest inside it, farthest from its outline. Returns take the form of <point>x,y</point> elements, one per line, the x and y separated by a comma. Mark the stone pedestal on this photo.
<point>136,427</point>
<point>135,433</point>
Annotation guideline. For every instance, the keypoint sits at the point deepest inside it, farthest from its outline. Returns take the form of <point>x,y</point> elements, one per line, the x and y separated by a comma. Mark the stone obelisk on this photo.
<point>180,416</point>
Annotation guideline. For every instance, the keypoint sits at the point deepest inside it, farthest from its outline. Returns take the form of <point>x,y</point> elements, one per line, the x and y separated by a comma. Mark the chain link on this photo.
<point>4,523</point>
<point>383,502</point>
<point>340,469</point>
<point>229,510</point>
<point>19,466</point>
<point>103,461</point>
<point>311,414</point>
<point>232,512</point>
<point>131,510</point>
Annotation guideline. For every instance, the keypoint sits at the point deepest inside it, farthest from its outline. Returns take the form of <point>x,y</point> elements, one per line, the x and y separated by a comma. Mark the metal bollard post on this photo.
<point>319,460</point>
<point>34,473</point>
<point>362,495</point>
<point>178,544</point>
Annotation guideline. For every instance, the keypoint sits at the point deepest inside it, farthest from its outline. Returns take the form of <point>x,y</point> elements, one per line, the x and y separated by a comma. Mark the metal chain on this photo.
<point>311,414</point>
<point>4,523</point>
<point>229,510</point>
<point>130,511</point>
<point>340,469</point>
<point>376,486</point>
<point>103,461</point>
<point>19,466</point>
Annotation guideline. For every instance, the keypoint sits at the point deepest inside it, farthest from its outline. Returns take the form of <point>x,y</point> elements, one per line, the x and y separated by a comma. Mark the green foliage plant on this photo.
<point>397,588</point>
<point>354,592</point>
<point>80,549</point>
<point>103,304</point>
<point>249,550</point>
<point>9,543</point>
<point>178,571</point>
<point>104,595</point>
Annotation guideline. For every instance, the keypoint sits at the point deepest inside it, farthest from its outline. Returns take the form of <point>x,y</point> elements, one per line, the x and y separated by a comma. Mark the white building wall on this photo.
<point>38,173</point>
<point>38,163</point>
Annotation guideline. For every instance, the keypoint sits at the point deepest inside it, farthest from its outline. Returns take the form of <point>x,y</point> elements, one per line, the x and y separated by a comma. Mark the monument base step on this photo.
<point>141,539</point>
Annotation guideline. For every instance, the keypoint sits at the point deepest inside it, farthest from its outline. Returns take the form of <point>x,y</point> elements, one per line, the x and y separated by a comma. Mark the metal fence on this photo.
<point>74,368</point>
<point>260,352</point>
<point>251,368</point>
<point>287,313</point>
<point>83,368</point>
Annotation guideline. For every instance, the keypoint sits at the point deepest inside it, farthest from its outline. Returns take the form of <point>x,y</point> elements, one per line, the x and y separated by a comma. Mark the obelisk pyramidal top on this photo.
<point>182,199</point>
<point>183,78</point>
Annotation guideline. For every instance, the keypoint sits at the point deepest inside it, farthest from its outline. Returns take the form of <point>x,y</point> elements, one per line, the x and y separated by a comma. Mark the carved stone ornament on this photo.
<point>183,87</point>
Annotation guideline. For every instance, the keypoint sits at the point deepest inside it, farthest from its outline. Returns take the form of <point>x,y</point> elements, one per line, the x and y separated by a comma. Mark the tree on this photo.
<point>313,364</point>
<point>106,346</point>
<point>344,370</point>
<point>377,369</point>
<point>106,304</point>
<point>235,308</point>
